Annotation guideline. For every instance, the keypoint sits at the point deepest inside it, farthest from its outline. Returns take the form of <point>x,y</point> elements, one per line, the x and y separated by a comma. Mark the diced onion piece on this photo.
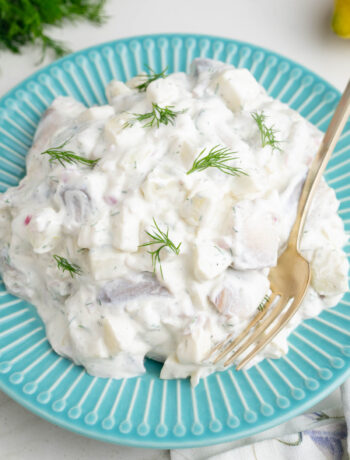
<point>255,234</point>
<point>126,231</point>
<point>97,113</point>
<point>329,271</point>
<point>120,334</point>
<point>106,263</point>
<point>194,347</point>
<point>163,92</point>
<point>116,88</point>
<point>237,87</point>
<point>210,261</point>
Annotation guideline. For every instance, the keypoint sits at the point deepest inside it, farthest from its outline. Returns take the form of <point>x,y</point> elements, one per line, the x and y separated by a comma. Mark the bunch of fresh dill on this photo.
<point>24,22</point>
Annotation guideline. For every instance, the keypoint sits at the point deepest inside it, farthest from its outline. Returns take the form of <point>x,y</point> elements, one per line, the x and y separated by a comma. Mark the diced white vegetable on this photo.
<point>198,294</point>
<point>114,126</point>
<point>117,131</point>
<point>323,227</point>
<point>97,113</point>
<point>87,346</point>
<point>161,183</point>
<point>210,260</point>
<point>128,364</point>
<point>312,304</point>
<point>188,154</point>
<point>173,369</point>
<point>329,271</point>
<point>255,234</point>
<point>163,92</point>
<point>95,234</point>
<point>126,231</point>
<point>238,88</point>
<point>133,83</point>
<point>250,186</point>
<point>87,140</point>
<point>106,263</point>
<point>43,230</point>
<point>116,88</point>
<point>194,347</point>
<point>96,348</point>
<point>96,184</point>
<point>197,208</point>
<point>120,334</point>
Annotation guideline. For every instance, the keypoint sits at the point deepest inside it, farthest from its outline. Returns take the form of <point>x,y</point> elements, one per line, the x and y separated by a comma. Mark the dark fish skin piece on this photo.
<point>203,65</point>
<point>78,204</point>
<point>122,290</point>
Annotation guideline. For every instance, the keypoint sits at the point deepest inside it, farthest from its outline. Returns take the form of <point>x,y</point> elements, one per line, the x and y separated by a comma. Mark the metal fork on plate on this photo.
<point>290,278</point>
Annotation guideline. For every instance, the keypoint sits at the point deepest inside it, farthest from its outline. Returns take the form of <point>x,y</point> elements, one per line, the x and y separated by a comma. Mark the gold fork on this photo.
<point>290,278</point>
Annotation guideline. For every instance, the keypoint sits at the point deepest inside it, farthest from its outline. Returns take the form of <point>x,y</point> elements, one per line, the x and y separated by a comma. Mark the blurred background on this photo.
<point>299,29</point>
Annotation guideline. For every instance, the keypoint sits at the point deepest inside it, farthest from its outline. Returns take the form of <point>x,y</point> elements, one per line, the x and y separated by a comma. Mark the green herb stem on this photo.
<point>263,303</point>
<point>267,133</point>
<point>24,22</point>
<point>142,87</point>
<point>159,115</point>
<point>161,238</point>
<point>64,265</point>
<point>67,156</point>
<point>218,157</point>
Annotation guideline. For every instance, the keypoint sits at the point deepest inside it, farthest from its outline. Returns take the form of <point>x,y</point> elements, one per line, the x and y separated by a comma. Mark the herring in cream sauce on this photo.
<point>117,310</point>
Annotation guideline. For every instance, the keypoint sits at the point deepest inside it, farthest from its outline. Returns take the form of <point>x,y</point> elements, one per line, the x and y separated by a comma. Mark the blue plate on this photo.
<point>147,411</point>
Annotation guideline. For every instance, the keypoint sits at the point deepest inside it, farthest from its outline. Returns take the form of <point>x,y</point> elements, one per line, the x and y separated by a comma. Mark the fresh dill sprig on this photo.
<point>67,156</point>
<point>24,22</point>
<point>150,78</point>
<point>267,134</point>
<point>162,238</point>
<point>263,303</point>
<point>218,157</point>
<point>159,115</point>
<point>64,265</point>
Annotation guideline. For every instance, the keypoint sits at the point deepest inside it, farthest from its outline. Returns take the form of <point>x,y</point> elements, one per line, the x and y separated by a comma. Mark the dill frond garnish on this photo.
<point>24,22</point>
<point>67,156</point>
<point>218,157</point>
<point>267,134</point>
<point>162,238</point>
<point>159,115</point>
<point>150,78</point>
<point>263,303</point>
<point>64,265</point>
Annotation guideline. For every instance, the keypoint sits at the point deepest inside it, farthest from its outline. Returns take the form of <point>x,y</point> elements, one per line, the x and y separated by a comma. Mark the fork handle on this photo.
<point>318,165</point>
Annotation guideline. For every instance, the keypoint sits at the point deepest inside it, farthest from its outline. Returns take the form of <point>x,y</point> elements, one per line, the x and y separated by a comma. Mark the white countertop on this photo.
<point>299,29</point>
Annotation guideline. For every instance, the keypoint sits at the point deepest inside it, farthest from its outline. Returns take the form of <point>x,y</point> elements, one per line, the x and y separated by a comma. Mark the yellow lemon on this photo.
<point>341,18</point>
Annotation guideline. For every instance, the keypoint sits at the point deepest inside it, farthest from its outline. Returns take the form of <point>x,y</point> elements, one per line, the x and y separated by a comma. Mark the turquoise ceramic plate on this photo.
<point>147,411</point>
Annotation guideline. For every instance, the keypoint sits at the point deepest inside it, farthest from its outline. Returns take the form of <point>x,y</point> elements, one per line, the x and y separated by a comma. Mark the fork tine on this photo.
<point>274,331</point>
<point>259,330</point>
<point>230,346</point>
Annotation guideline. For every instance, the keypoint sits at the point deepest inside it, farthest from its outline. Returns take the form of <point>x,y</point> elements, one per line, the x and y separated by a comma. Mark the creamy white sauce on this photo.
<point>231,229</point>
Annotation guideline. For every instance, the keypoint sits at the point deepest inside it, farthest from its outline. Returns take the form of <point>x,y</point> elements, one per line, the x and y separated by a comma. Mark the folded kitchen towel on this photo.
<point>345,394</point>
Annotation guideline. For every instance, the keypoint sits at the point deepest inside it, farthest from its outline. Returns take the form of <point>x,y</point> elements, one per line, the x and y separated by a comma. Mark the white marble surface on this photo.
<point>298,29</point>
